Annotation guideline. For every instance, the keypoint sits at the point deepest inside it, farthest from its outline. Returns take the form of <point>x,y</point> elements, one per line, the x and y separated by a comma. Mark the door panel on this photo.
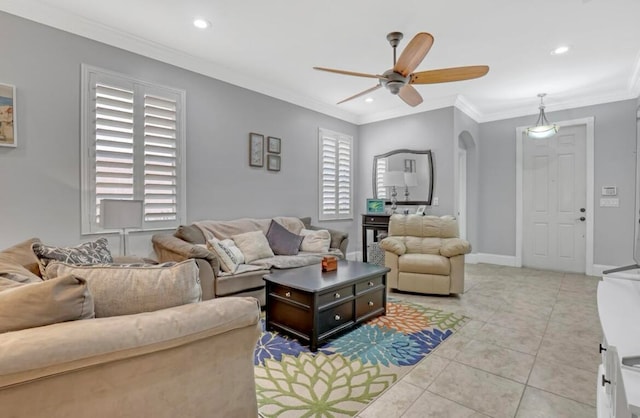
<point>554,190</point>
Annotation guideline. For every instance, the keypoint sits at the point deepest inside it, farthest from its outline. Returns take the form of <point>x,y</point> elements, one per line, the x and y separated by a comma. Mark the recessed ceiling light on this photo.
<point>201,23</point>
<point>369,99</point>
<point>560,50</point>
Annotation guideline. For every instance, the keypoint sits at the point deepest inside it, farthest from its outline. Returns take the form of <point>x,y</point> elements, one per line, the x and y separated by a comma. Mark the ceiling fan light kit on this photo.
<point>542,128</point>
<point>399,79</point>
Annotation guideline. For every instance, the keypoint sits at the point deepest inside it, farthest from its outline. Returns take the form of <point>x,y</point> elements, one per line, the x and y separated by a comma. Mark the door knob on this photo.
<point>582,218</point>
<point>583,210</point>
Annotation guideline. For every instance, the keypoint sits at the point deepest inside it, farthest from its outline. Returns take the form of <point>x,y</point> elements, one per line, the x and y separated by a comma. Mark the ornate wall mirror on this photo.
<point>414,168</point>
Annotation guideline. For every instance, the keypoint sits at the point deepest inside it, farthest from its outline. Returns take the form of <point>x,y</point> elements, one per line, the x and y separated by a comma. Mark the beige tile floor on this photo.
<point>529,350</point>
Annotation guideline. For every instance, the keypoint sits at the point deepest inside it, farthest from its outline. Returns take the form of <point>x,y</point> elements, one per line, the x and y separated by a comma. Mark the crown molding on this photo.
<point>45,14</point>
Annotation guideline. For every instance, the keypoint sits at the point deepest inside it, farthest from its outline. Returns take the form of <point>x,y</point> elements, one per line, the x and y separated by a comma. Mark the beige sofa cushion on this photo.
<point>425,264</point>
<point>19,263</point>
<point>315,241</point>
<point>92,252</point>
<point>254,245</point>
<point>423,226</point>
<point>124,290</point>
<point>66,298</point>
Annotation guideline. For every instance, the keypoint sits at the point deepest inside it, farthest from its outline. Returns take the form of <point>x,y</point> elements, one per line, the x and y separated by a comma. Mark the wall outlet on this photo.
<point>435,201</point>
<point>611,202</point>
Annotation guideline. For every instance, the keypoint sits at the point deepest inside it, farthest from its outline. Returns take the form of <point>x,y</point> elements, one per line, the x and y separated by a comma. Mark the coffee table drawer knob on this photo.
<point>336,295</point>
<point>288,294</point>
<point>337,317</point>
<point>370,303</point>
<point>370,284</point>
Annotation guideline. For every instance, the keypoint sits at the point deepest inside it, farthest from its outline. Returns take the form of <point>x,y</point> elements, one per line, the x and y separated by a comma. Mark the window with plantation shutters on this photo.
<point>132,141</point>
<point>336,190</point>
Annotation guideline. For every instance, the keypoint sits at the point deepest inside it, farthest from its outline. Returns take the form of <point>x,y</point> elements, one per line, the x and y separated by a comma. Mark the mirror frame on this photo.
<point>408,151</point>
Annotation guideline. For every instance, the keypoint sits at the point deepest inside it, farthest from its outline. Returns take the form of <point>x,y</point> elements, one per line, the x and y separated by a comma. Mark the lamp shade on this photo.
<point>410,179</point>
<point>120,214</point>
<point>393,178</point>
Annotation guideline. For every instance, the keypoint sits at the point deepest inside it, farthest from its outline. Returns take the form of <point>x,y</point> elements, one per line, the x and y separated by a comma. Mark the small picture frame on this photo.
<point>8,136</point>
<point>256,150</point>
<point>421,209</point>
<point>375,206</point>
<point>273,162</point>
<point>273,145</point>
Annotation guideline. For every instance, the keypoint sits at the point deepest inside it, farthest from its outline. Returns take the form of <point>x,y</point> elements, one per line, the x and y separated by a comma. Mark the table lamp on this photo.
<point>410,180</point>
<point>121,214</point>
<point>393,179</point>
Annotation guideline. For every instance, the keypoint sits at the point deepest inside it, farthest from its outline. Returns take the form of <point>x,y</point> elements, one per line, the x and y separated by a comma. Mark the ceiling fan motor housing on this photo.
<point>394,81</point>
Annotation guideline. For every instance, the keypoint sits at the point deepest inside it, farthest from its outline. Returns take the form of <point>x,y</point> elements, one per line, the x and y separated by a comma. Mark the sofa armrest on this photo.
<point>451,247</point>
<point>60,348</point>
<point>339,239</point>
<point>394,245</point>
<point>171,248</point>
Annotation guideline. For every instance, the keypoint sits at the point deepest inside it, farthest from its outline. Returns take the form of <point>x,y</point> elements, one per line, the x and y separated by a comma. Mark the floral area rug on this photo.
<point>348,372</point>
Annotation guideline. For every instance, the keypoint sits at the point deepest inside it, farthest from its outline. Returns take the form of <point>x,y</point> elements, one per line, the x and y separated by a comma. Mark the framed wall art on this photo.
<point>273,145</point>
<point>256,150</point>
<point>375,206</point>
<point>273,162</point>
<point>8,137</point>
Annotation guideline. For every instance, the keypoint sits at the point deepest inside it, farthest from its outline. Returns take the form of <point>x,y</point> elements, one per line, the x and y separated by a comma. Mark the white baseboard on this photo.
<point>500,260</point>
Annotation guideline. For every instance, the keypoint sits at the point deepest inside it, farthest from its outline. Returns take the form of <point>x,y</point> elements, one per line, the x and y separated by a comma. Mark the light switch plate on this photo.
<point>435,201</point>
<point>611,202</point>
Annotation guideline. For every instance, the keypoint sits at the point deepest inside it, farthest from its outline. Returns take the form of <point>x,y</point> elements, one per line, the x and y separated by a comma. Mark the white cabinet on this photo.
<point>619,311</point>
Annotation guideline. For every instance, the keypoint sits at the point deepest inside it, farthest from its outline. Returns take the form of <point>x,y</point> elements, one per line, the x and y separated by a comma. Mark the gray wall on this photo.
<point>615,159</point>
<point>467,132</point>
<point>429,130</point>
<point>40,180</point>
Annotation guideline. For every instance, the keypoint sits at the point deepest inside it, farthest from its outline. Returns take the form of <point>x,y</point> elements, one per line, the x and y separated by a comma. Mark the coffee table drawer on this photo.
<point>334,317</point>
<point>369,303</point>
<point>288,293</point>
<point>335,296</point>
<point>369,284</point>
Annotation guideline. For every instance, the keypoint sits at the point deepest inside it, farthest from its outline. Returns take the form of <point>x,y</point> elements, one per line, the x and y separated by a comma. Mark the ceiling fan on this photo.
<point>399,79</point>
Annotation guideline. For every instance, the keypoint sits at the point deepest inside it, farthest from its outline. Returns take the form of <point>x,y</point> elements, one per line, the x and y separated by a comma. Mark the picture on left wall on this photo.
<point>7,116</point>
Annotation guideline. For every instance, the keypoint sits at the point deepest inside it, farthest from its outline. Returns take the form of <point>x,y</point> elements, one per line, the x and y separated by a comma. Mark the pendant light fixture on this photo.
<point>542,129</point>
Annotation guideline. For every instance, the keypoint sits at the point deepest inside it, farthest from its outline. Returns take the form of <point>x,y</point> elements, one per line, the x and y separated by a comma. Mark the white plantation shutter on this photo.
<point>133,137</point>
<point>380,170</point>
<point>336,191</point>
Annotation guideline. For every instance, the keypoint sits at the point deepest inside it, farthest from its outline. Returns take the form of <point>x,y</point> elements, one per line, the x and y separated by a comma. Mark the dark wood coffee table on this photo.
<point>312,305</point>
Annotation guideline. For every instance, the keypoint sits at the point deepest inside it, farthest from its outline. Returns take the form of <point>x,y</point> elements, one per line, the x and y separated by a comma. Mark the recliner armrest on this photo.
<point>393,245</point>
<point>454,246</point>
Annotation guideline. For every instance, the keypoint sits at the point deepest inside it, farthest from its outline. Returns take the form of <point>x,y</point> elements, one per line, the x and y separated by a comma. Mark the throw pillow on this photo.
<point>119,290</point>
<point>282,241</point>
<point>230,256</point>
<point>18,263</point>
<point>315,241</point>
<point>93,252</point>
<point>32,305</point>
<point>254,245</point>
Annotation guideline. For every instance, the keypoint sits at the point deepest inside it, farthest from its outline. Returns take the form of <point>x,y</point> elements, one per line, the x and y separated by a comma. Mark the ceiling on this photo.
<point>271,47</point>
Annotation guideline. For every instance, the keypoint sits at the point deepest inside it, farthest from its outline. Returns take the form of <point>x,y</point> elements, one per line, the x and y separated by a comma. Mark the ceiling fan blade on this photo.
<point>362,93</point>
<point>414,53</point>
<point>446,75</point>
<point>410,95</point>
<point>331,70</point>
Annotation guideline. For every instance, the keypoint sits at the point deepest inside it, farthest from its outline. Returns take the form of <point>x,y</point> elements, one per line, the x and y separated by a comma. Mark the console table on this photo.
<point>618,393</point>
<point>378,222</point>
<point>312,305</point>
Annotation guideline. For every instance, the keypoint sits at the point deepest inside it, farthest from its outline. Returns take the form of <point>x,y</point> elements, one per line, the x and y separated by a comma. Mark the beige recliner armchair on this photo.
<point>425,254</point>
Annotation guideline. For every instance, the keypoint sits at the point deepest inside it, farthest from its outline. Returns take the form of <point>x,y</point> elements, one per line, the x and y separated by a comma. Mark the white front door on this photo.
<point>554,201</point>
<point>462,192</point>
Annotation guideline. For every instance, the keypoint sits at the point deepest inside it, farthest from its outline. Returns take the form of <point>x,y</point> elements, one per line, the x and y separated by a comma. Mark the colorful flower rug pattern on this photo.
<point>351,370</point>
